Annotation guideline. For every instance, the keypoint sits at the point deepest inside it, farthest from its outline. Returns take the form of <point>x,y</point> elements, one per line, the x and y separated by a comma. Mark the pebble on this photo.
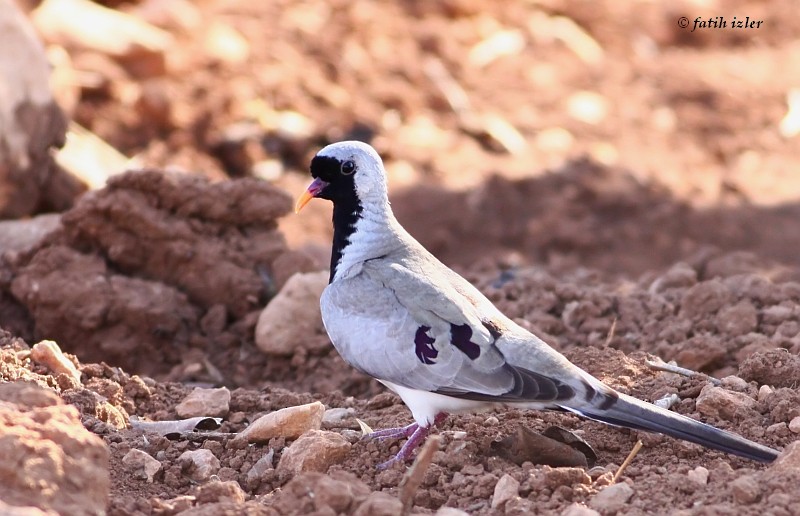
<point>720,403</point>
<point>289,422</point>
<point>764,391</point>
<point>491,421</point>
<point>450,511</point>
<point>215,492</point>
<point>379,503</point>
<point>142,464</point>
<point>698,475</point>
<point>292,315</point>
<point>787,462</point>
<point>734,383</point>
<point>507,488</point>
<point>48,354</point>
<point>794,425</point>
<point>579,509</point>
<point>262,465</point>
<point>337,415</point>
<point>315,450</point>
<point>206,403</point>
<point>199,465</point>
<point>612,498</point>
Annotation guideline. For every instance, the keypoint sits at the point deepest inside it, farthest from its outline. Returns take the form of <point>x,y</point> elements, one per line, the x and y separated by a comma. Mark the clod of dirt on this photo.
<point>205,402</point>
<point>286,323</point>
<point>720,403</point>
<point>315,450</point>
<point>525,445</point>
<point>289,422</point>
<point>49,459</point>
<point>777,368</point>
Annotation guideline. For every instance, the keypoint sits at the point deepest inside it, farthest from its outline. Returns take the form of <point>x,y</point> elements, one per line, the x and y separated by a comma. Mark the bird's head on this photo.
<point>346,172</point>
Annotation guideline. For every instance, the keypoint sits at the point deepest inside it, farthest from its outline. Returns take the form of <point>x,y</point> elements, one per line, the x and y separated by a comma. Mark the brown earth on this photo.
<point>652,211</point>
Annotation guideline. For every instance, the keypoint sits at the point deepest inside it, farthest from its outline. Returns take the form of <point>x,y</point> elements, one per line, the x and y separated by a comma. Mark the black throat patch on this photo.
<point>341,190</point>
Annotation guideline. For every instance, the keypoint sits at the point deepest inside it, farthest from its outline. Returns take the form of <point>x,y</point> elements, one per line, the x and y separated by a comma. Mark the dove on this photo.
<point>396,313</point>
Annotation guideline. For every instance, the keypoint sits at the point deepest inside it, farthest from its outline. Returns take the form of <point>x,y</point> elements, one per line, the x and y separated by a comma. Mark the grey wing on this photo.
<point>419,332</point>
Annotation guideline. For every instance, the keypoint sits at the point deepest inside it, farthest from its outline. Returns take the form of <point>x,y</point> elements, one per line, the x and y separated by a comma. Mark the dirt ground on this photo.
<point>613,182</point>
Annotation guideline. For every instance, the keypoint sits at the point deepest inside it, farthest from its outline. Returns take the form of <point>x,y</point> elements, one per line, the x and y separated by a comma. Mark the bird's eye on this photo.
<point>348,167</point>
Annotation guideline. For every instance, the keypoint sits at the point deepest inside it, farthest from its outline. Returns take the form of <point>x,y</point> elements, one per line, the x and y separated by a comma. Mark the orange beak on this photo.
<point>312,191</point>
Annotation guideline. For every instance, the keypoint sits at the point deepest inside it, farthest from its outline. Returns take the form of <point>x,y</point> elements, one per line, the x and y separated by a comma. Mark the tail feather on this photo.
<point>629,412</point>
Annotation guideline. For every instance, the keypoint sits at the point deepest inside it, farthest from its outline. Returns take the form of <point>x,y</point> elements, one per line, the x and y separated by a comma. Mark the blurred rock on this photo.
<point>705,298</point>
<point>698,475</point>
<point>225,43</point>
<point>213,492</point>
<point>24,234</point>
<point>205,402</point>
<point>738,319</point>
<point>48,354</point>
<point>199,465</point>
<point>49,459</point>
<point>262,465</point>
<point>292,316</point>
<point>83,24</point>
<point>787,462</point>
<point>141,464</point>
<point>679,275</point>
<point>746,489</point>
<point>31,123</point>
<point>379,503</point>
<point>794,425</point>
<point>315,450</point>
<point>723,404</point>
<point>336,416</point>
<point>506,489</point>
<point>612,498</point>
<point>579,509</point>
<point>290,422</point>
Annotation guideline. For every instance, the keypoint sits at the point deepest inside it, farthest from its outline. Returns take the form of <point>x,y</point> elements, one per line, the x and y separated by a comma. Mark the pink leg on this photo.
<point>416,435</point>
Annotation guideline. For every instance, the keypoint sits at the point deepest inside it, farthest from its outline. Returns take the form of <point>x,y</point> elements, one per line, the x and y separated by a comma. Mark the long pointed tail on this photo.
<point>629,412</point>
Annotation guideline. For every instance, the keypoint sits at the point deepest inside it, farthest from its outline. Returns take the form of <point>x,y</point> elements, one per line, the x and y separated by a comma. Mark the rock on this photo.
<point>205,402</point>
<point>794,425</point>
<point>506,489</point>
<point>612,498</point>
<point>698,475</point>
<point>680,275</point>
<point>734,383</point>
<point>49,459</point>
<point>214,492</point>
<point>31,124</point>
<point>23,235</point>
<point>787,462</point>
<point>86,25</point>
<point>224,43</point>
<point>262,465</point>
<point>141,464</point>
<point>722,404</point>
<point>745,489</point>
<point>450,511</point>
<point>552,478</point>
<point>315,450</point>
<point>16,510</point>
<point>764,391</point>
<point>379,503</point>
<point>199,465</point>
<point>292,316</point>
<point>336,416</point>
<point>579,509</point>
<point>290,422</point>
<point>48,354</point>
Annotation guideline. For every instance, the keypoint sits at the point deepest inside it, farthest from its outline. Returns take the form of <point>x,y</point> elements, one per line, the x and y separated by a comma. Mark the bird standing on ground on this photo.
<point>396,313</point>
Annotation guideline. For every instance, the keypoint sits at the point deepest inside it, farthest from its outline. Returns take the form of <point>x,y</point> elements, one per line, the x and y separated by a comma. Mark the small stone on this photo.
<point>289,422</point>
<point>579,509</point>
<point>787,462</point>
<point>698,475</point>
<point>794,425</point>
<point>745,489</point>
<point>141,464</point>
<point>379,503</point>
<point>556,477</point>
<point>214,492</point>
<point>612,498</point>
<point>315,450</point>
<point>679,276</point>
<point>507,488</point>
<point>720,403</point>
<point>777,428</point>
<point>48,354</point>
<point>764,391</point>
<point>199,465</point>
<point>734,383</point>
<point>262,465</point>
<point>206,403</point>
<point>292,315</point>
<point>491,421</point>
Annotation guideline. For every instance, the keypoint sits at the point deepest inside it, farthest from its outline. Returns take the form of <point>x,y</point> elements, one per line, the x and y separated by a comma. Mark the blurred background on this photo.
<point>474,104</point>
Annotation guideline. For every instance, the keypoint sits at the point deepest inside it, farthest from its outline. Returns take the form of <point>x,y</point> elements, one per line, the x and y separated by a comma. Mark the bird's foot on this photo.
<point>416,435</point>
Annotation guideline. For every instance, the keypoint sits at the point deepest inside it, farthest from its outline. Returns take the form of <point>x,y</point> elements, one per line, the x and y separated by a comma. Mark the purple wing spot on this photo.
<point>424,346</point>
<point>459,337</point>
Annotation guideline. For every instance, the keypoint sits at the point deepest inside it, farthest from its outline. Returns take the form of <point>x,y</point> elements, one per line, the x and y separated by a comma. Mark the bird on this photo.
<point>396,313</point>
